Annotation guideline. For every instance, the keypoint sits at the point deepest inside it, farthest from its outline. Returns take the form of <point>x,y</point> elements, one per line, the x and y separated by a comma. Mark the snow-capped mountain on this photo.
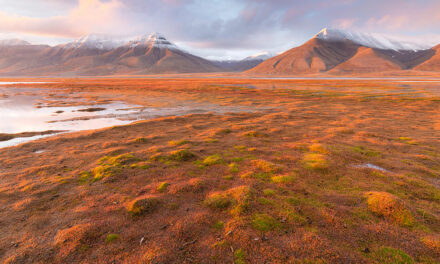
<point>331,51</point>
<point>106,42</point>
<point>156,40</point>
<point>376,41</point>
<point>103,55</point>
<point>345,52</point>
<point>13,42</point>
<point>244,64</point>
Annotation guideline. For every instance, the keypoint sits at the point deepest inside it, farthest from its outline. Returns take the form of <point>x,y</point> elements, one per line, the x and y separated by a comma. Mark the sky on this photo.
<point>218,29</point>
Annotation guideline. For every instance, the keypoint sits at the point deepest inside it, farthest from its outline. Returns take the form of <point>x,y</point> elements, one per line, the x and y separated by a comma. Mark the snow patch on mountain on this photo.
<point>156,40</point>
<point>259,56</point>
<point>13,42</point>
<point>104,42</point>
<point>96,41</point>
<point>371,40</point>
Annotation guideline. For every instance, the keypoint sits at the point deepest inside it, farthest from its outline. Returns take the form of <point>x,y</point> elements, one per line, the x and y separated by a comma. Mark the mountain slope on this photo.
<point>433,63</point>
<point>343,52</point>
<point>366,60</point>
<point>313,57</point>
<point>102,55</point>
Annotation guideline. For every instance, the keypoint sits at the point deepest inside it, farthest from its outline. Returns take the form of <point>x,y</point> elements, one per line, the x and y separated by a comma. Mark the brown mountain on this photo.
<point>96,55</point>
<point>431,64</point>
<point>339,52</point>
<point>313,57</point>
<point>366,60</point>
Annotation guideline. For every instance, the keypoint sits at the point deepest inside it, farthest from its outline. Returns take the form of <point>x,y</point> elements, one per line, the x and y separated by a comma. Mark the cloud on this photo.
<point>87,17</point>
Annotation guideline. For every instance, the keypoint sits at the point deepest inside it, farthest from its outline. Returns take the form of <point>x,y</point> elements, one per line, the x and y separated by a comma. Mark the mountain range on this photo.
<point>335,51</point>
<point>331,51</point>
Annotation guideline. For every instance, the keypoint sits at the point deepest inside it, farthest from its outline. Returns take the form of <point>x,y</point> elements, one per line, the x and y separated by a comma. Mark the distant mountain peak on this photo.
<point>96,41</point>
<point>13,42</point>
<point>106,42</point>
<point>264,55</point>
<point>370,40</point>
<point>156,40</point>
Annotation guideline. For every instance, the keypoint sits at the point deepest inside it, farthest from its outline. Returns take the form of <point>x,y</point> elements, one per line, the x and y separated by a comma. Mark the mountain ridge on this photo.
<point>103,55</point>
<point>329,51</point>
<point>343,52</point>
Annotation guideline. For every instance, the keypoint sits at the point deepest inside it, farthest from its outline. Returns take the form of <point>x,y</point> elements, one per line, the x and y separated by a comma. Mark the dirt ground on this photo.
<point>319,171</point>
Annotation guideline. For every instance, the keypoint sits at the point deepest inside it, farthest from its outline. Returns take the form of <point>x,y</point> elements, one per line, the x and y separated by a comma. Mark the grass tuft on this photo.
<point>366,151</point>
<point>233,168</point>
<point>387,205</point>
<point>265,166</point>
<point>213,159</point>
<point>111,166</point>
<point>269,192</point>
<point>144,205</point>
<point>315,161</point>
<point>140,140</point>
<point>255,134</point>
<point>162,187</point>
<point>239,257</point>
<point>388,255</point>
<point>219,225</point>
<point>182,155</point>
<point>318,148</point>
<point>283,178</point>
<point>218,201</point>
<point>111,238</point>
<point>175,143</point>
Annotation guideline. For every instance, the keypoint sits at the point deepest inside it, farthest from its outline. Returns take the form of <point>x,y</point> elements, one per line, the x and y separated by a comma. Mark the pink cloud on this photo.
<point>87,17</point>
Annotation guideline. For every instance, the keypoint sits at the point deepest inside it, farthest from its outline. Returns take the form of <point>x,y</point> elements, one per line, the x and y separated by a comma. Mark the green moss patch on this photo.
<point>283,178</point>
<point>213,159</point>
<point>388,255</point>
<point>315,161</point>
<point>112,238</point>
<point>182,155</point>
<point>239,257</point>
<point>174,143</point>
<point>162,187</point>
<point>264,222</point>
<point>143,205</point>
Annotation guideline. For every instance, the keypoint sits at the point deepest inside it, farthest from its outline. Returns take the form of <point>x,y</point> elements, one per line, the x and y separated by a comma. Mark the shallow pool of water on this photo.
<point>27,110</point>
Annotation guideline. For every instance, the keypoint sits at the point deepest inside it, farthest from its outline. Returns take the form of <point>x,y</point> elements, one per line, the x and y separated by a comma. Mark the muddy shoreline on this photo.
<point>5,137</point>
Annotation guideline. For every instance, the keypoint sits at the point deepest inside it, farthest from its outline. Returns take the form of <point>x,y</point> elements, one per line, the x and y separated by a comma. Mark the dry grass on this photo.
<point>278,185</point>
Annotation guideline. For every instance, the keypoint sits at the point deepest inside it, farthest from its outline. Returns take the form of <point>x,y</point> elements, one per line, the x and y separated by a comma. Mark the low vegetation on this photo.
<point>143,205</point>
<point>389,206</point>
<point>285,183</point>
<point>315,161</point>
<point>264,222</point>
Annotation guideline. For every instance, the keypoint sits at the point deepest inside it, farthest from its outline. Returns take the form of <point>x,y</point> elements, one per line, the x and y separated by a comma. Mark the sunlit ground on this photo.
<point>268,171</point>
